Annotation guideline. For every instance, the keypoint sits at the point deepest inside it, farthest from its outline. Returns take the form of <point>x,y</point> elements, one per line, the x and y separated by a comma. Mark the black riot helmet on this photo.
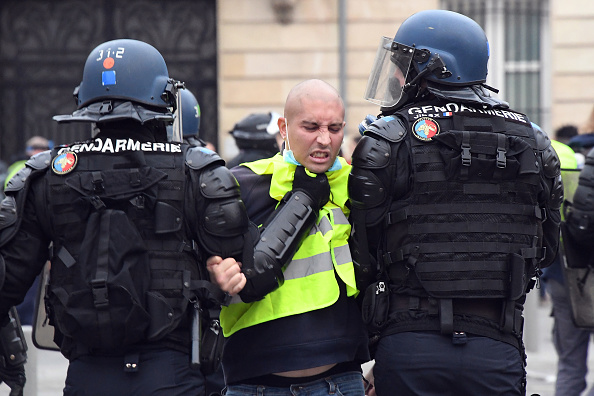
<point>128,70</point>
<point>189,110</point>
<point>257,131</point>
<point>124,79</point>
<point>190,113</point>
<point>440,46</point>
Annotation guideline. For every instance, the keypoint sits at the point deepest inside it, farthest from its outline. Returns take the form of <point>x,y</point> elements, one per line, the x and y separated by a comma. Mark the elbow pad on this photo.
<point>279,241</point>
<point>224,221</point>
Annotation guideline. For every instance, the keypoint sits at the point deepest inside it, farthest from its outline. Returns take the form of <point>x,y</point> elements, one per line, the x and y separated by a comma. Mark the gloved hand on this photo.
<point>363,125</point>
<point>13,353</point>
<point>317,187</point>
<point>14,377</point>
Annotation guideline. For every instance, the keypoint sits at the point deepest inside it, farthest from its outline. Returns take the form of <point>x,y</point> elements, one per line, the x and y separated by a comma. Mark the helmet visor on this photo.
<point>389,72</point>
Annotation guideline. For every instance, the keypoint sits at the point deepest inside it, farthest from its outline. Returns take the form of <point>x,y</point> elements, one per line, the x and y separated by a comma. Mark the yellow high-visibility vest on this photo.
<point>310,282</point>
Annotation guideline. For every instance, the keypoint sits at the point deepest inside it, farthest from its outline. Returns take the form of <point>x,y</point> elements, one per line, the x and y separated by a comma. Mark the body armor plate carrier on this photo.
<point>125,266</point>
<point>471,226</point>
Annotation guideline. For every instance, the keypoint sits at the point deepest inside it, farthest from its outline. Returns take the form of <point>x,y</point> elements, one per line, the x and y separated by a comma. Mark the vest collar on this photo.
<point>283,174</point>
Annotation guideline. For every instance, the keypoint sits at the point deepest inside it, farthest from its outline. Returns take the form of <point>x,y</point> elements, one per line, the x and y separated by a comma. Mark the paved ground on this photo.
<point>542,360</point>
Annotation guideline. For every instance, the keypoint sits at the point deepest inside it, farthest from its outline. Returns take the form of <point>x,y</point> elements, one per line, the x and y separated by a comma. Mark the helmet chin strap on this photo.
<point>412,89</point>
<point>436,66</point>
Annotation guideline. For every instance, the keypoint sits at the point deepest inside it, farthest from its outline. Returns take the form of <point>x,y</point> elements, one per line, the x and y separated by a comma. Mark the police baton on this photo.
<point>196,335</point>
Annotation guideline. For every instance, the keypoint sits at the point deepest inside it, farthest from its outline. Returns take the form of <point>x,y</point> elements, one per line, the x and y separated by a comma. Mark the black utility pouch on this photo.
<point>211,347</point>
<point>376,306</point>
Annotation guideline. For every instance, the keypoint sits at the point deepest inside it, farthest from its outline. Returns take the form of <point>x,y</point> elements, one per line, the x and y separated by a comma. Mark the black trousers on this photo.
<point>429,363</point>
<point>159,372</point>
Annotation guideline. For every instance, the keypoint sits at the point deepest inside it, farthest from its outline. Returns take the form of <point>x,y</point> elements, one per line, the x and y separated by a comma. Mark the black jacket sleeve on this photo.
<point>551,196</point>
<point>24,255</point>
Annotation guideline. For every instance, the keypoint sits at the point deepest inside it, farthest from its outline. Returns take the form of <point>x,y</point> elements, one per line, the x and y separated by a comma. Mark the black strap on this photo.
<point>466,156</point>
<point>474,227</point>
<point>98,186</point>
<point>508,316</point>
<point>99,283</point>
<point>204,290</point>
<point>396,216</point>
<point>446,316</point>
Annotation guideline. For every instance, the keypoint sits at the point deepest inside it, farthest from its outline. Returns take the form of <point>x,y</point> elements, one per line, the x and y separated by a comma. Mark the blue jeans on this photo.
<point>346,384</point>
<point>429,364</point>
<point>571,344</point>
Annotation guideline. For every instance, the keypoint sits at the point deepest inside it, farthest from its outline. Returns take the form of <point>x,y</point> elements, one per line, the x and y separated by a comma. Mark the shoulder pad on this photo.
<point>389,128</point>
<point>8,214</point>
<point>40,161</point>
<point>218,182</point>
<point>37,162</point>
<point>199,157</point>
<point>17,182</point>
<point>551,163</point>
<point>542,140</point>
<point>9,219</point>
<point>371,153</point>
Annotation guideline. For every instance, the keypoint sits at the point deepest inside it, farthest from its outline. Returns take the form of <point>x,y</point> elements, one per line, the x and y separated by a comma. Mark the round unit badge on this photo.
<point>425,128</point>
<point>64,163</point>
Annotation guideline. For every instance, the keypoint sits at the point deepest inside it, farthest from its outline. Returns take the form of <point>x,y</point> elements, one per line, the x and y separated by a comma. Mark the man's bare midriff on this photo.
<point>306,372</point>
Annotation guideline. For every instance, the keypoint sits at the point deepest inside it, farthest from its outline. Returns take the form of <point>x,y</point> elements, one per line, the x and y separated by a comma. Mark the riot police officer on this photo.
<point>213,376</point>
<point>455,208</point>
<point>190,115</point>
<point>127,219</point>
<point>256,137</point>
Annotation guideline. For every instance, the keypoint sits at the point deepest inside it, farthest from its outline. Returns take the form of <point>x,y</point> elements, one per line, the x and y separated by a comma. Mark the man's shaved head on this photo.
<point>310,89</point>
<point>314,115</point>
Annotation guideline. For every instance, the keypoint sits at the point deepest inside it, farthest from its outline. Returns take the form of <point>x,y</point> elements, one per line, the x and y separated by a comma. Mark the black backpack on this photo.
<point>100,298</point>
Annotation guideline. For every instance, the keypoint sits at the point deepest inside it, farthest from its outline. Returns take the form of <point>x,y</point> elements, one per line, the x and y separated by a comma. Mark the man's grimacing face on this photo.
<point>314,132</point>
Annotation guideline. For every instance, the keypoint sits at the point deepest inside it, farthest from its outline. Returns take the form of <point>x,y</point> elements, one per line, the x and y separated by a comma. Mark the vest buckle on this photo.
<point>466,158</point>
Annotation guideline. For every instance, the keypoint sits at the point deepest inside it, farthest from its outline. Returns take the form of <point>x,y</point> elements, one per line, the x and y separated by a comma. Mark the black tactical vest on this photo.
<point>471,226</point>
<point>123,261</point>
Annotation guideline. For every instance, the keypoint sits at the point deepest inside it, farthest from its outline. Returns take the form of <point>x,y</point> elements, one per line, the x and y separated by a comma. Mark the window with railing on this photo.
<point>518,36</point>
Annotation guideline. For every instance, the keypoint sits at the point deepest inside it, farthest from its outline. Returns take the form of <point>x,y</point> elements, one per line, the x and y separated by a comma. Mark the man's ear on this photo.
<point>282,127</point>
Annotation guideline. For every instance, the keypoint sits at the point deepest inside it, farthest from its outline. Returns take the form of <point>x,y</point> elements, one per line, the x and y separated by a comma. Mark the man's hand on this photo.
<point>226,274</point>
<point>13,353</point>
<point>15,378</point>
<point>317,186</point>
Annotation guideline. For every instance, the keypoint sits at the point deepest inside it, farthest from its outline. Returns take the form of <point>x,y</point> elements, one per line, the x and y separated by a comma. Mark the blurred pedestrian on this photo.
<point>34,145</point>
<point>256,137</point>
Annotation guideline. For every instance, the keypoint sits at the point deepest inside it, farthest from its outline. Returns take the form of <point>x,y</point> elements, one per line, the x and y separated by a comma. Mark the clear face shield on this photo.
<point>389,73</point>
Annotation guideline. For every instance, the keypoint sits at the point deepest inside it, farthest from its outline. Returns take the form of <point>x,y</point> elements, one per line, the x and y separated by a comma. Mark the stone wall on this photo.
<point>260,58</point>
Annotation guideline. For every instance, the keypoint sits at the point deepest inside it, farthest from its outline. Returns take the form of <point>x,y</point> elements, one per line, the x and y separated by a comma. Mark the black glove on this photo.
<point>317,187</point>
<point>14,377</point>
<point>368,120</point>
<point>13,353</point>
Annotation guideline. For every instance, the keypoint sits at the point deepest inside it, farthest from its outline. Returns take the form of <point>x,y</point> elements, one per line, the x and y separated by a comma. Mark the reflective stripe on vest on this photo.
<point>310,281</point>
